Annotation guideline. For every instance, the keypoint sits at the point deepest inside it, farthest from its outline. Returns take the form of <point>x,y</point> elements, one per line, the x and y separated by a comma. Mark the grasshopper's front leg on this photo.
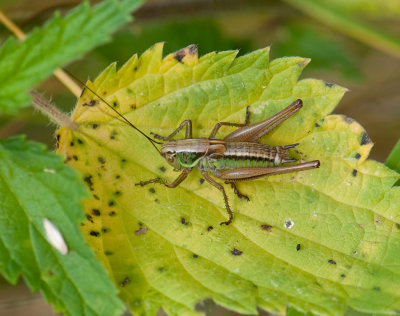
<point>221,188</point>
<point>172,185</point>
<point>188,133</point>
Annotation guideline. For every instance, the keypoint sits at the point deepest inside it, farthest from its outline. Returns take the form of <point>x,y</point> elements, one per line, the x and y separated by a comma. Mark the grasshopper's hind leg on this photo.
<point>221,188</point>
<point>236,191</point>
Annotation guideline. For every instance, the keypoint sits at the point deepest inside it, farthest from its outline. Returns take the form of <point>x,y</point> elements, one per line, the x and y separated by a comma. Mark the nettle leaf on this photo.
<point>25,63</point>
<point>316,240</point>
<point>39,211</point>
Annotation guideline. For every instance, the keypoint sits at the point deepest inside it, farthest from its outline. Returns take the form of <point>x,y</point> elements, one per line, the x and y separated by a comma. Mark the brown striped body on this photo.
<point>237,157</point>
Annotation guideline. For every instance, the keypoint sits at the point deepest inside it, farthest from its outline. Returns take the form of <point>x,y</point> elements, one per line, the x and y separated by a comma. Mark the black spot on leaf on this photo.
<point>365,139</point>
<point>94,233</point>
<point>96,212</point>
<point>210,228</point>
<point>298,247</point>
<point>236,252</point>
<point>183,221</point>
<point>89,181</point>
<point>125,282</point>
<point>354,172</point>
<point>357,156</point>
<point>348,119</point>
<point>141,231</point>
<point>331,261</point>
<point>90,103</point>
<point>266,227</point>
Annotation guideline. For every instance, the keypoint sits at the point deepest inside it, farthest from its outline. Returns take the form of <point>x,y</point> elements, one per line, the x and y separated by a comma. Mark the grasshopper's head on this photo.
<point>168,151</point>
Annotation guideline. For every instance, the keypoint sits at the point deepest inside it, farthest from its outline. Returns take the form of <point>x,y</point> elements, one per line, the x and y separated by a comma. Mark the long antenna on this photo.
<point>125,120</point>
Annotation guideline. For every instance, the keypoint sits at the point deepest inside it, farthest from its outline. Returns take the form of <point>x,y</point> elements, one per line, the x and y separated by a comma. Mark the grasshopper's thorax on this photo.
<point>184,152</point>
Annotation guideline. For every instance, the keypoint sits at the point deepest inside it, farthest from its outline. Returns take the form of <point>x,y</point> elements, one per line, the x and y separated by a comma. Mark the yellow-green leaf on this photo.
<point>316,240</point>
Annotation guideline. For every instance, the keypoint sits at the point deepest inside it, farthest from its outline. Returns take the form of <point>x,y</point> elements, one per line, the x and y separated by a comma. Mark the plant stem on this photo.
<point>350,26</point>
<point>59,73</point>
<point>52,112</point>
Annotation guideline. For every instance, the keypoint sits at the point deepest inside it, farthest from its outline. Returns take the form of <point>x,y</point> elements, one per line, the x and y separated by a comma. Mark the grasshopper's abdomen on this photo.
<point>255,151</point>
<point>246,155</point>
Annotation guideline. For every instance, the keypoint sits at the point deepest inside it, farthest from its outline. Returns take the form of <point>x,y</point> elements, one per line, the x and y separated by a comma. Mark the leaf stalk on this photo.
<point>52,112</point>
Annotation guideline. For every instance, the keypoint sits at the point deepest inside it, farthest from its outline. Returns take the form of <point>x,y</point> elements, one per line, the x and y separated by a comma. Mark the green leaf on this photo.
<point>25,63</point>
<point>370,8</point>
<point>342,246</point>
<point>368,34</point>
<point>393,161</point>
<point>39,191</point>
<point>328,52</point>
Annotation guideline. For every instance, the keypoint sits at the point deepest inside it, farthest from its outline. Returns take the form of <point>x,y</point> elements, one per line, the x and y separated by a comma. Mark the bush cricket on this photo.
<point>236,157</point>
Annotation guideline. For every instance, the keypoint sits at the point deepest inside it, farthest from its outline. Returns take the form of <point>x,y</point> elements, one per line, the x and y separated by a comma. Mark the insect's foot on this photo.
<point>143,183</point>
<point>238,194</point>
<point>290,146</point>
<point>226,223</point>
<point>243,196</point>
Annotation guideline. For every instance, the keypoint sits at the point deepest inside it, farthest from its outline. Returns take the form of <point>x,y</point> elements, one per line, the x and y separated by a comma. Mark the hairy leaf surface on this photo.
<point>317,240</point>
<point>25,63</point>
<point>40,196</point>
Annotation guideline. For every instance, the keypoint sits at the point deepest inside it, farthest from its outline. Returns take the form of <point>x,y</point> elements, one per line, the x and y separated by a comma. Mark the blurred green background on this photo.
<point>354,43</point>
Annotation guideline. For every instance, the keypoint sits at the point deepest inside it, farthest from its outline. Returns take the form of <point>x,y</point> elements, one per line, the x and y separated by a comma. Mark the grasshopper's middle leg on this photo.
<point>188,134</point>
<point>172,185</point>
<point>220,124</point>
<point>221,188</point>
